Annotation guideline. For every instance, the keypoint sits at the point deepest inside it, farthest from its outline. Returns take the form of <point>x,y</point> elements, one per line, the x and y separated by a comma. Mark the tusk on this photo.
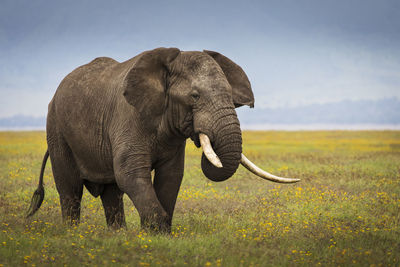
<point>208,151</point>
<point>263,174</point>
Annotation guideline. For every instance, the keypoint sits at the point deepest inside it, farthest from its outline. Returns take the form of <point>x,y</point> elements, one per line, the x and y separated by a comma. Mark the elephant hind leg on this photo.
<point>67,178</point>
<point>112,198</point>
<point>71,208</point>
<point>69,186</point>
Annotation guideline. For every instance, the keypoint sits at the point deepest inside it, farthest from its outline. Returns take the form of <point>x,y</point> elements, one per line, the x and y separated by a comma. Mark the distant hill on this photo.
<point>383,111</point>
<point>22,121</point>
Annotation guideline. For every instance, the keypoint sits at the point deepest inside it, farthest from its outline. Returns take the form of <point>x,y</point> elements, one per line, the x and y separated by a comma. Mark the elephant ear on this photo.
<point>145,84</point>
<point>241,88</point>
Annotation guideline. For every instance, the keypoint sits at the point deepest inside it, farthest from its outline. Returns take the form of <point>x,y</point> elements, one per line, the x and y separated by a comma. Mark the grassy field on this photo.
<point>345,211</point>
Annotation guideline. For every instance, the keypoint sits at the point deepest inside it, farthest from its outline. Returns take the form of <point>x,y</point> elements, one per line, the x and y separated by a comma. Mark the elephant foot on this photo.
<point>160,226</point>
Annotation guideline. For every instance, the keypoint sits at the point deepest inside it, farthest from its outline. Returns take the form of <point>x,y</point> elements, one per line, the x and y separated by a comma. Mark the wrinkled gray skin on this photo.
<point>110,124</point>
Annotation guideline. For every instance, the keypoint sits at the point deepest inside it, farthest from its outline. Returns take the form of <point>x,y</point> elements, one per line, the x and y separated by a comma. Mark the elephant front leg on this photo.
<point>152,214</point>
<point>136,183</point>
<point>167,181</point>
<point>167,188</point>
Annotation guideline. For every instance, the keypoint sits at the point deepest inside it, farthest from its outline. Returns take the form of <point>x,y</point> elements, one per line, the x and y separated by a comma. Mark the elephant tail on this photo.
<point>38,195</point>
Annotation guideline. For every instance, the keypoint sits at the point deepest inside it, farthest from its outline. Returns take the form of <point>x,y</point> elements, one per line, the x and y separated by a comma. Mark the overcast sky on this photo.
<point>294,52</point>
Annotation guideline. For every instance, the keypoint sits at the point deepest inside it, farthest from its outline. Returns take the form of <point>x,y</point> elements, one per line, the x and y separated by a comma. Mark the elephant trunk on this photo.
<point>227,144</point>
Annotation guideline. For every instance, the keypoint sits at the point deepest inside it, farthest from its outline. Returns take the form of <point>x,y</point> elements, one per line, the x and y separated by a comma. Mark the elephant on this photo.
<point>110,124</point>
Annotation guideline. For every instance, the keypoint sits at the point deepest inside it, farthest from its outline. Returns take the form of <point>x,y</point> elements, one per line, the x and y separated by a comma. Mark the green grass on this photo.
<point>345,211</point>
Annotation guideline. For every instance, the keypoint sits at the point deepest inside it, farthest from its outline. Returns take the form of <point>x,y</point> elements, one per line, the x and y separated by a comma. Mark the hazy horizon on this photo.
<point>380,114</point>
<point>294,53</point>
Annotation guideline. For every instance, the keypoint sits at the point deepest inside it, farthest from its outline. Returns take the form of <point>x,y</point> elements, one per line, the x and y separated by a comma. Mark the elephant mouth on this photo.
<point>187,130</point>
<point>196,139</point>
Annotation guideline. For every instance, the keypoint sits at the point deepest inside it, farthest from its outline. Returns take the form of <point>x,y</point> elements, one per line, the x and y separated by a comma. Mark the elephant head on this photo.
<point>194,94</point>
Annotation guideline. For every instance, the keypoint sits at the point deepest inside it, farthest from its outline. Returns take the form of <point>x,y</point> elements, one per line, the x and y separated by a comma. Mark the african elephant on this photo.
<point>110,124</point>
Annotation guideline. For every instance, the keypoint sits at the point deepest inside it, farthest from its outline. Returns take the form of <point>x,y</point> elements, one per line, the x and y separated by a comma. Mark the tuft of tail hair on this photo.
<point>38,195</point>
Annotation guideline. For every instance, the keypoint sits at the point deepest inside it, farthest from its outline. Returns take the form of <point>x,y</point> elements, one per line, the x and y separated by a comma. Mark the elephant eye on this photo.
<point>195,95</point>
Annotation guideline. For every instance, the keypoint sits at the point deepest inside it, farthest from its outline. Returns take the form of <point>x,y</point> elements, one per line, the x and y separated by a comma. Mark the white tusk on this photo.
<point>208,151</point>
<point>263,174</point>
